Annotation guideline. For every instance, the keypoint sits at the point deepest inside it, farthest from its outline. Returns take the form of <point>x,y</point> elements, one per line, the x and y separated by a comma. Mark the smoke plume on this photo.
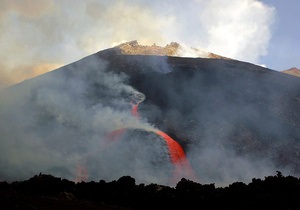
<point>62,118</point>
<point>52,33</point>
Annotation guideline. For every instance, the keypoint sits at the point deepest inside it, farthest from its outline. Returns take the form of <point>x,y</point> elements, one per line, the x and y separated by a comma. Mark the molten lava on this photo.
<point>134,111</point>
<point>182,167</point>
<point>176,153</point>
<point>178,158</point>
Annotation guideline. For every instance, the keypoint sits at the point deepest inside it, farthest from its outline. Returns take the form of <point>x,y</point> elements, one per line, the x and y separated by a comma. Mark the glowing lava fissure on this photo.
<point>182,167</point>
<point>134,111</point>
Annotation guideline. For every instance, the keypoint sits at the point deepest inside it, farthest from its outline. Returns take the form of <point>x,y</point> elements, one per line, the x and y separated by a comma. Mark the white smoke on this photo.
<point>58,119</point>
<point>238,29</point>
<point>56,33</point>
<point>185,51</point>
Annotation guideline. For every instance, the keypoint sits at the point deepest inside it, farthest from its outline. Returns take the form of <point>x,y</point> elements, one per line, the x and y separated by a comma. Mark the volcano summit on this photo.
<point>233,120</point>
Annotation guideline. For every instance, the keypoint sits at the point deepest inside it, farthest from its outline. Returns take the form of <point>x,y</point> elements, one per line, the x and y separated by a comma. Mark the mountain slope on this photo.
<point>234,120</point>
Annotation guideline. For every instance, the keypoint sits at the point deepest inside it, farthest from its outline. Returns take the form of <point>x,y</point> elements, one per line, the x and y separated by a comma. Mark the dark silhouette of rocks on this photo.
<point>48,192</point>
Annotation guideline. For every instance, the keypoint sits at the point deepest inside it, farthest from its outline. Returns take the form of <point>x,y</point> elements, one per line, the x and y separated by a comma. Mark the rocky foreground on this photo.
<point>48,192</point>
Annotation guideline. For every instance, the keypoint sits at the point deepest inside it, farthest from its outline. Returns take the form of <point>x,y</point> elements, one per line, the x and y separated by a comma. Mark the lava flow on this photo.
<point>177,155</point>
<point>182,167</point>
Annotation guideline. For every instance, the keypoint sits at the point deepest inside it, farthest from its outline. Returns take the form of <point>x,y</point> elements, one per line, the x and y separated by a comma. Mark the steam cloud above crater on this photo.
<point>41,35</point>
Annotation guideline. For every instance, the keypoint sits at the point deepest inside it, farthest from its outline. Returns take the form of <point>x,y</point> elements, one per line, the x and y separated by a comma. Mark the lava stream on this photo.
<point>182,167</point>
<point>177,155</point>
<point>134,110</point>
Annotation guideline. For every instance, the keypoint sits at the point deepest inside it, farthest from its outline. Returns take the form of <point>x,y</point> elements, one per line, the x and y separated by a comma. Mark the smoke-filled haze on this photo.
<point>40,35</point>
<point>60,119</point>
<point>61,122</point>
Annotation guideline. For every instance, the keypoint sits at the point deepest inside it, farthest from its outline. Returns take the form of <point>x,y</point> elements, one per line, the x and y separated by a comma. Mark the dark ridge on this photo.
<point>45,191</point>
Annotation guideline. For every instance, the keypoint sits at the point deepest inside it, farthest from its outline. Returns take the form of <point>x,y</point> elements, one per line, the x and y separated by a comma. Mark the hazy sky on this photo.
<point>40,35</point>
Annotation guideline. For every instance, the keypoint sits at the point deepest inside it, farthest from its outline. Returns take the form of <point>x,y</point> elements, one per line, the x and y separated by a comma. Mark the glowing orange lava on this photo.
<point>134,110</point>
<point>177,155</point>
<point>182,167</point>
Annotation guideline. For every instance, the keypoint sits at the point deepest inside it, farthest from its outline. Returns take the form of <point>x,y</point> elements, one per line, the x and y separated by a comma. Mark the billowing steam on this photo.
<point>83,124</point>
<point>52,33</point>
<point>63,117</point>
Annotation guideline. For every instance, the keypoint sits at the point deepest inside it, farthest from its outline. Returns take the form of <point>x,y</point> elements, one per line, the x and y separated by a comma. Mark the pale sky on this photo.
<point>37,36</point>
<point>284,46</point>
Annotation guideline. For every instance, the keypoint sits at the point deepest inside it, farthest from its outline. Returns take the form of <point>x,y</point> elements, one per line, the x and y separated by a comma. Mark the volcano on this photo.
<point>233,120</point>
